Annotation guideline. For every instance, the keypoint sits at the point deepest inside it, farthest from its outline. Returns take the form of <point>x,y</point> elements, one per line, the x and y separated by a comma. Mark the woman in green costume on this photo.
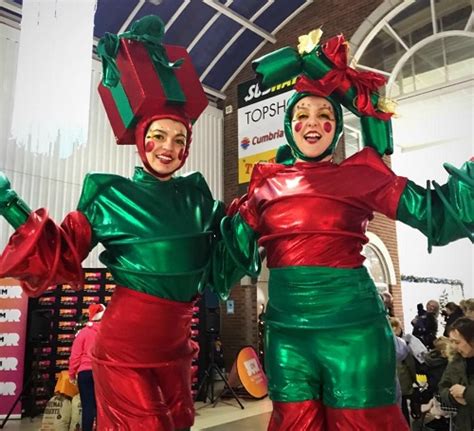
<point>161,238</point>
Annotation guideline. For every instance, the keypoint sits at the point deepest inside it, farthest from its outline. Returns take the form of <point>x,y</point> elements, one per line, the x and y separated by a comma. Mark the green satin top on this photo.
<point>158,235</point>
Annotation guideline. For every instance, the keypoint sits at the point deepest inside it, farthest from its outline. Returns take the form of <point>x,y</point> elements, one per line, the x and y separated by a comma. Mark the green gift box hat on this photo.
<point>325,72</point>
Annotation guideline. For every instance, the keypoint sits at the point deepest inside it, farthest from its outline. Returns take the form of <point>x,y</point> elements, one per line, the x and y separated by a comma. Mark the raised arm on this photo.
<point>41,253</point>
<point>14,210</point>
<point>442,213</point>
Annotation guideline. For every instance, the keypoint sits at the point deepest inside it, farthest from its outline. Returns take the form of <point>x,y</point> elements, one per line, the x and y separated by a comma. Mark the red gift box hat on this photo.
<point>144,79</point>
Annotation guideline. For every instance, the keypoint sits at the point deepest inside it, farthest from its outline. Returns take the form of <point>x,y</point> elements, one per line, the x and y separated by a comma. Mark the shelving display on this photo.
<point>67,309</point>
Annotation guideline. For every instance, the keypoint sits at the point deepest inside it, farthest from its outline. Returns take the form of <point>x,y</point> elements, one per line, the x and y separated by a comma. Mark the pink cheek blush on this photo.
<point>298,126</point>
<point>181,155</point>
<point>149,146</point>
<point>327,127</point>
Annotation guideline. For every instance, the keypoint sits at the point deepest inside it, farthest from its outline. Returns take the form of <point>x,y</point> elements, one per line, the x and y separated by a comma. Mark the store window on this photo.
<point>419,46</point>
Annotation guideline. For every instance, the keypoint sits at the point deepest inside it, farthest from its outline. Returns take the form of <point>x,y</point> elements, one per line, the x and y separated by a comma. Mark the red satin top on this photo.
<point>316,214</point>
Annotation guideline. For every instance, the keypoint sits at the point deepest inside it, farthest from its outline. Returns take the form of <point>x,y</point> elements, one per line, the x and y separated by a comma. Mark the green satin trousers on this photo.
<point>327,337</point>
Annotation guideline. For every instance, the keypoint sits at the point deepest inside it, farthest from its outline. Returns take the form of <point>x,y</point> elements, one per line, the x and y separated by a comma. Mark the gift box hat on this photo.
<point>143,78</point>
<point>324,67</point>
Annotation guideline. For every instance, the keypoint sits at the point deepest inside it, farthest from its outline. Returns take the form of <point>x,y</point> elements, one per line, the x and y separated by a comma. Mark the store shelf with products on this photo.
<point>67,308</point>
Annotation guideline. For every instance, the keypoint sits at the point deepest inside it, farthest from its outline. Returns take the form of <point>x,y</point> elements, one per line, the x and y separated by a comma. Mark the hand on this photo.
<point>73,381</point>
<point>5,189</point>
<point>457,392</point>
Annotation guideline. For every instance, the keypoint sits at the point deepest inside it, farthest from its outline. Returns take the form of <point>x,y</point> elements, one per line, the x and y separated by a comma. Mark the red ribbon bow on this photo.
<point>342,77</point>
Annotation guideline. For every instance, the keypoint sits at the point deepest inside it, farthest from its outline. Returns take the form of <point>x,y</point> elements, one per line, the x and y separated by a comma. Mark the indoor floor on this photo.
<point>226,416</point>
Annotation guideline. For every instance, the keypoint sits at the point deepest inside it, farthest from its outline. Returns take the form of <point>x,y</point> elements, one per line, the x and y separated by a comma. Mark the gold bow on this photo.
<point>308,42</point>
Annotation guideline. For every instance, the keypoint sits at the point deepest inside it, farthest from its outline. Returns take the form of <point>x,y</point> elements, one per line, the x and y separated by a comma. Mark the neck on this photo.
<point>328,158</point>
<point>164,178</point>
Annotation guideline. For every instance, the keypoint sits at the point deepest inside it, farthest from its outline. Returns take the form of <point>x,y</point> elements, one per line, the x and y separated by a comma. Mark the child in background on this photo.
<point>80,365</point>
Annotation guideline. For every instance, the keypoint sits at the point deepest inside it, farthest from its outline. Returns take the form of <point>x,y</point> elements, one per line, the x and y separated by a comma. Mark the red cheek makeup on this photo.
<point>298,126</point>
<point>149,146</point>
<point>327,127</point>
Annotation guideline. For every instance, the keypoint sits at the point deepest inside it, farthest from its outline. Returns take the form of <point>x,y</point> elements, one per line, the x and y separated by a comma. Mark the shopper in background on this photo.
<point>457,383</point>
<point>467,307</point>
<point>80,365</point>
<point>425,324</point>
<point>451,313</point>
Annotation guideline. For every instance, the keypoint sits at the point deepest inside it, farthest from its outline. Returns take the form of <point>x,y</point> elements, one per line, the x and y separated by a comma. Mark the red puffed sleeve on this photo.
<point>41,254</point>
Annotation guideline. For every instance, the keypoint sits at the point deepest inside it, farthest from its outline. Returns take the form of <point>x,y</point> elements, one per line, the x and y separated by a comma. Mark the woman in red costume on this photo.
<point>329,350</point>
<point>160,233</point>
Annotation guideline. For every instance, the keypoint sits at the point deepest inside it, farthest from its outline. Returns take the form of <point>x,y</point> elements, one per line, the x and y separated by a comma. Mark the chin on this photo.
<point>165,170</point>
<point>312,153</point>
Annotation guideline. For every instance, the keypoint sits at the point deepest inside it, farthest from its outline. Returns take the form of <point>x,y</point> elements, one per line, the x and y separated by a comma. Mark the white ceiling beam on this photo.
<point>240,20</point>
<point>214,92</point>
<point>292,15</point>
<point>132,15</point>
<point>255,51</point>
<point>232,40</point>
<point>176,14</point>
<point>244,63</point>
<point>203,31</point>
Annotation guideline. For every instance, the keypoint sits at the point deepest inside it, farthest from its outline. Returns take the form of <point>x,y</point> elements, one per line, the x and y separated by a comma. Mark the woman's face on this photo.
<point>313,124</point>
<point>165,143</point>
<point>461,345</point>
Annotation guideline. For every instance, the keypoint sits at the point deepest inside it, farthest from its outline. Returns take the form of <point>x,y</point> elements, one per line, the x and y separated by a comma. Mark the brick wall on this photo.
<point>337,16</point>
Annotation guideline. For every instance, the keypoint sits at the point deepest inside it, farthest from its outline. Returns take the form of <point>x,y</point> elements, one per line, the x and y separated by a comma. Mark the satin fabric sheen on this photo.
<point>147,385</point>
<point>316,214</point>
<point>327,337</point>
<point>41,253</point>
<point>157,234</point>
<point>424,209</point>
<point>312,416</point>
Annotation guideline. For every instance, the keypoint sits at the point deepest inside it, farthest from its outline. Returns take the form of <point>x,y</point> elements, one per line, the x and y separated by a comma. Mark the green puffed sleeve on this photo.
<point>235,255</point>
<point>12,207</point>
<point>442,213</point>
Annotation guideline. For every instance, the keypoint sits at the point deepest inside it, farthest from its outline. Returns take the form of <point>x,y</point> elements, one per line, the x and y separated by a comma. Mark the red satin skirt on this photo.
<point>142,364</point>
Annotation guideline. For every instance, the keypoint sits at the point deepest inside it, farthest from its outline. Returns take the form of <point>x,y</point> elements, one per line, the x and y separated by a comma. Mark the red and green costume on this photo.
<point>159,239</point>
<point>162,245</point>
<point>329,350</point>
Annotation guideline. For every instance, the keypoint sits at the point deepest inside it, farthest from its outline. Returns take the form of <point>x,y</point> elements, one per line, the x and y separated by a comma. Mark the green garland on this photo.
<point>431,280</point>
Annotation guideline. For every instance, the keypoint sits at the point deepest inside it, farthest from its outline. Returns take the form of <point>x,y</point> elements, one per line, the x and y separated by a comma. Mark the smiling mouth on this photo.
<point>163,158</point>
<point>312,137</point>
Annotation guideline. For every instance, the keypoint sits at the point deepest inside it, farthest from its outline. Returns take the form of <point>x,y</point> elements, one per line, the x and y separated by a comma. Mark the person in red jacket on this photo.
<point>80,365</point>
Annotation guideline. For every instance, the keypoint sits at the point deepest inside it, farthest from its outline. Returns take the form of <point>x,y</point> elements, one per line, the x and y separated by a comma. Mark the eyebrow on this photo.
<point>165,132</point>
<point>307,107</point>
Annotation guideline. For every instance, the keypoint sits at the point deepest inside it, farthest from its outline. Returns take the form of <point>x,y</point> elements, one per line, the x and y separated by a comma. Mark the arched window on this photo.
<point>379,263</point>
<point>377,267</point>
<point>419,46</point>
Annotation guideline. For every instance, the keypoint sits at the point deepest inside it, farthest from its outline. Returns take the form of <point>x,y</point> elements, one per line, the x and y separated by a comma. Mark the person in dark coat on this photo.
<point>451,312</point>
<point>457,384</point>
<point>425,324</point>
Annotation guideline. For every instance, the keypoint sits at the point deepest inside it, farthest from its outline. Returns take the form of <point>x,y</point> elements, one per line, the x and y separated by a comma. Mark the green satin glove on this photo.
<point>14,210</point>
<point>235,256</point>
<point>444,214</point>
